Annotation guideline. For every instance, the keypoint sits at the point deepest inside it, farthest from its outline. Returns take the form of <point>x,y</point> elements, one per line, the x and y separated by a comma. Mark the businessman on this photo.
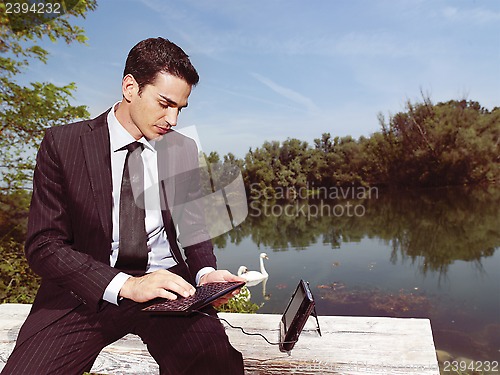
<point>104,251</point>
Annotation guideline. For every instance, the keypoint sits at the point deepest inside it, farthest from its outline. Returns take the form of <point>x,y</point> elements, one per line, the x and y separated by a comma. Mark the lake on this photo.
<point>425,253</point>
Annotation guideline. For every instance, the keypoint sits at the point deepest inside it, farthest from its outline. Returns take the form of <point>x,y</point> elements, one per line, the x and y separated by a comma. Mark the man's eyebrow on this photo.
<point>172,102</point>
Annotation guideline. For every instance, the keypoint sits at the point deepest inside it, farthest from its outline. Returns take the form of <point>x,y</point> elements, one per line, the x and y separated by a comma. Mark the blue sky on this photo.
<point>274,69</point>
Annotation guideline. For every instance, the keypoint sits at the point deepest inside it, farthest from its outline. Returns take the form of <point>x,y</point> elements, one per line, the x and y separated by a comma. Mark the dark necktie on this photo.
<point>132,249</point>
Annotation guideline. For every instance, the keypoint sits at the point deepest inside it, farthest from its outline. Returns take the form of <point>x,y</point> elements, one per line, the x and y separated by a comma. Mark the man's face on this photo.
<point>155,110</point>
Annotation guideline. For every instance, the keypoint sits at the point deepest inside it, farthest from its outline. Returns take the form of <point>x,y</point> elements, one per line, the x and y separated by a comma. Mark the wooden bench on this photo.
<point>349,345</point>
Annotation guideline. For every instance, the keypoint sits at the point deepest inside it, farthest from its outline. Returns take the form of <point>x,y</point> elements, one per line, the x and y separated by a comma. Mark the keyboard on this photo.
<point>205,294</point>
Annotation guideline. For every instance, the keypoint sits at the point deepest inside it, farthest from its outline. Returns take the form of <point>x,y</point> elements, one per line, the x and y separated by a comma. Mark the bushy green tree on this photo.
<point>427,145</point>
<point>28,109</point>
<point>452,143</point>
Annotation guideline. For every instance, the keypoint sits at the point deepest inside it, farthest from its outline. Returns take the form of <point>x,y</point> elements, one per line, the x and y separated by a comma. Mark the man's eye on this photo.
<point>165,106</point>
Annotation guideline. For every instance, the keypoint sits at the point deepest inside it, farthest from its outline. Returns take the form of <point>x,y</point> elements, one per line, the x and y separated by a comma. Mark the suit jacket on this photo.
<point>70,221</point>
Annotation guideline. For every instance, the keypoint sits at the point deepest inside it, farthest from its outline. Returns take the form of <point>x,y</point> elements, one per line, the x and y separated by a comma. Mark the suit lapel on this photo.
<point>98,161</point>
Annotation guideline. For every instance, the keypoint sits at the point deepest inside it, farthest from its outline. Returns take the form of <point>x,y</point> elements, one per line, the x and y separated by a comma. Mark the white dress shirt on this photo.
<point>160,255</point>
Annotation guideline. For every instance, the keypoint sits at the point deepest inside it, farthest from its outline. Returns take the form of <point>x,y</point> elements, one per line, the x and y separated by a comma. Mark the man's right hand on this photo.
<point>156,284</point>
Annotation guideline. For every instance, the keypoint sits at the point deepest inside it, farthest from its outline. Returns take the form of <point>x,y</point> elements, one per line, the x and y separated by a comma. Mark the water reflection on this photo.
<point>440,226</point>
<point>431,227</point>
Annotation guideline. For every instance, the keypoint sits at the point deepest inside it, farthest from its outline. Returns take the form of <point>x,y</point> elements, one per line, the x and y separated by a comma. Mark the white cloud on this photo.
<point>288,93</point>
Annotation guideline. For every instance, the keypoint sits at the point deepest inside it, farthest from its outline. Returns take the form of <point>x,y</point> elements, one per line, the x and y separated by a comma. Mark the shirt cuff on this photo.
<point>203,272</point>
<point>112,291</point>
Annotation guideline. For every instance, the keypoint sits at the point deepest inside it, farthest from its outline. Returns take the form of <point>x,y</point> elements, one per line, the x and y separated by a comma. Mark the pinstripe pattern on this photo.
<point>196,345</point>
<point>68,244</point>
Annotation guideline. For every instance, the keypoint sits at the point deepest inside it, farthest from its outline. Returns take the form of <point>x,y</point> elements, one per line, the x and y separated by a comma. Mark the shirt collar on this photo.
<point>119,137</point>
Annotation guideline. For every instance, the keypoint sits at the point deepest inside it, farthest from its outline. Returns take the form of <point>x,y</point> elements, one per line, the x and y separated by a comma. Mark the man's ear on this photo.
<point>130,87</point>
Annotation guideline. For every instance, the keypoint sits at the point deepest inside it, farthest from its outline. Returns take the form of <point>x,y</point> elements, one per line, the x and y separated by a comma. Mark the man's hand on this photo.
<point>156,284</point>
<point>218,276</point>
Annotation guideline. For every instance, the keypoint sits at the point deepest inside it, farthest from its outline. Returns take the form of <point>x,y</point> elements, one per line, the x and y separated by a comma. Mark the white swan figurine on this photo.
<point>254,277</point>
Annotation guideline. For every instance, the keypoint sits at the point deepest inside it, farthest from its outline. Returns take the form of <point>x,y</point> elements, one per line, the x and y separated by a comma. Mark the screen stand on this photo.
<point>313,313</point>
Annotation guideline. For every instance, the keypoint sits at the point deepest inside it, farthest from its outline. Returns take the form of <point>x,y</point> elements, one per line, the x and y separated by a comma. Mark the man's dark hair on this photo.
<point>158,55</point>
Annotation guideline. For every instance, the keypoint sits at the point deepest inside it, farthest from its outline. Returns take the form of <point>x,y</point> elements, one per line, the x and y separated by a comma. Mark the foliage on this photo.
<point>241,303</point>
<point>428,145</point>
<point>451,143</point>
<point>278,165</point>
<point>18,284</point>
<point>28,110</point>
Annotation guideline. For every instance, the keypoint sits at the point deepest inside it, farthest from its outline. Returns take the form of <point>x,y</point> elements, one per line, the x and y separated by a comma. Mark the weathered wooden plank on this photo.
<point>349,345</point>
<point>127,356</point>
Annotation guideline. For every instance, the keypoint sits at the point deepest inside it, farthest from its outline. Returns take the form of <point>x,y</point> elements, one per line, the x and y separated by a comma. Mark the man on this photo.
<point>99,259</point>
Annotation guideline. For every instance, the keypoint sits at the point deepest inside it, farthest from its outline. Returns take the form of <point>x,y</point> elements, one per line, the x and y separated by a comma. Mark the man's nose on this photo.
<point>171,116</point>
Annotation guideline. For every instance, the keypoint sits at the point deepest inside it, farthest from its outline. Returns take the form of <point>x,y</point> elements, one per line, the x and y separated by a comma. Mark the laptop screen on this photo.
<point>293,307</point>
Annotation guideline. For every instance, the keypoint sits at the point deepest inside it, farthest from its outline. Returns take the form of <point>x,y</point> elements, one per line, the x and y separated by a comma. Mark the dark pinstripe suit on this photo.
<point>69,242</point>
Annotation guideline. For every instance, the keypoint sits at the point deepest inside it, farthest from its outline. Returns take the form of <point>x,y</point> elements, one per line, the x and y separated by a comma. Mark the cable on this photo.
<point>242,330</point>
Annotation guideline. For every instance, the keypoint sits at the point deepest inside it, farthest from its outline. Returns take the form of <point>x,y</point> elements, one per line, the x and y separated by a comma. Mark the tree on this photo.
<point>28,110</point>
<point>451,143</point>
